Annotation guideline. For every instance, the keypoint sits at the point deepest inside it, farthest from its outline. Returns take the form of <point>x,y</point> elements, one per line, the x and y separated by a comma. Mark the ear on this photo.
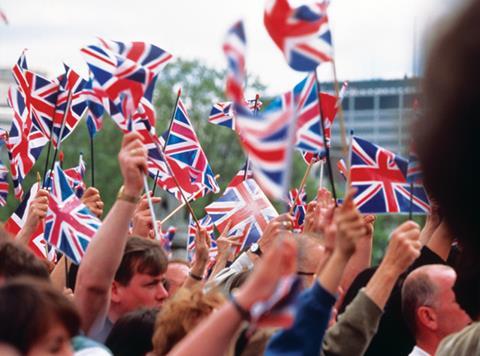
<point>427,317</point>
<point>115,294</point>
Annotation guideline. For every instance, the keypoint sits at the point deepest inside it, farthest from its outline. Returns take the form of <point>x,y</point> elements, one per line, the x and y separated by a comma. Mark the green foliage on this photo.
<point>201,87</point>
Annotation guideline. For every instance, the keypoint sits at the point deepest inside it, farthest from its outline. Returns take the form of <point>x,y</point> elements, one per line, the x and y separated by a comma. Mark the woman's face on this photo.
<point>55,343</point>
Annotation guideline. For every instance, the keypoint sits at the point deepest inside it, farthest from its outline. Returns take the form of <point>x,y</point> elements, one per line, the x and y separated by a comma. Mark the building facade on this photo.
<point>379,111</point>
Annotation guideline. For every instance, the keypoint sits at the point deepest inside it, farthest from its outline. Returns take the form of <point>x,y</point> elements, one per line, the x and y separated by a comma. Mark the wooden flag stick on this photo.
<point>155,182</point>
<point>178,208</point>
<point>302,184</point>
<point>410,209</point>
<point>150,206</point>
<point>322,163</point>
<point>327,149</point>
<point>92,158</point>
<point>340,110</point>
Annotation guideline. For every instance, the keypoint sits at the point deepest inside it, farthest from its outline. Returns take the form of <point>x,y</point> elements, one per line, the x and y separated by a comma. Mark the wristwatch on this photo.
<point>255,249</point>
<point>125,197</point>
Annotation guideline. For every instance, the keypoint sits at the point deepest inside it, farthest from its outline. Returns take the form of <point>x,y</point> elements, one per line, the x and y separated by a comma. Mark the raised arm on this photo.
<point>36,213</point>
<point>359,322</point>
<point>104,254</point>
<point>213,336</point>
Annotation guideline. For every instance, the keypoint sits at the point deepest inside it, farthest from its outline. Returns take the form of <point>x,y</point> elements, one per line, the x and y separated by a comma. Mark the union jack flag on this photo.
<point>342,168</point>
<point>15,222</point>
<point>380,177</point>
<point>206,224</point>
<point>25,141</point>
<point>302,33</point>
<point>40,96</point>
<point>414,170</point>
<point>70,107</point>
<point>148,56</point>
<point>19,69</point>
<point>183,146</point>
<point>246,207</point>
<point>3,184</point>
<point>234,47</point>
<point>69,225</point>
<point>242,175</point>
<point>122,80</point>
<point>167,237</point>
<point>267,139</point>
<point>75,177</point>
<point>297,202</point>
<point>95,107</point>
<point>309,135</point>
<point>222,113</point>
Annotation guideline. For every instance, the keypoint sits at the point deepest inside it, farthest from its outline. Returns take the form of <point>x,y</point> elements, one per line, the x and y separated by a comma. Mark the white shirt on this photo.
<point>417,351</point>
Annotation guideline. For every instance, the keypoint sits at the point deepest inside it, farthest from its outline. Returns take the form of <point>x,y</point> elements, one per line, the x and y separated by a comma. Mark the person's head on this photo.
<point>177,273</point>
<point>429,306</point>
<point>132,333</point>
<point>310,251</point>
<point>17,261</point>
<point>139,280</point>
<point>448,133</point>
<point>36,318</point>
<point>181,314</point>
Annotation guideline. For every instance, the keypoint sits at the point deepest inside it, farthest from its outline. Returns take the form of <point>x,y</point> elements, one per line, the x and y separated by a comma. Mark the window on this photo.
<point>364,103</point>
<point>389,102</point>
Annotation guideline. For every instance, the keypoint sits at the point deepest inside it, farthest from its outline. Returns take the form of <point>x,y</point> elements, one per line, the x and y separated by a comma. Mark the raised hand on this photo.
<point>91,198</point>
<point>280,225</point>
<point>38,209</point>
<point>133,163</point>
<point>142,218</point>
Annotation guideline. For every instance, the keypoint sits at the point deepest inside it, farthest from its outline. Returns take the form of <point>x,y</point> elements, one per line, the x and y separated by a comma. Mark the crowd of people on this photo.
<point>129,297</point>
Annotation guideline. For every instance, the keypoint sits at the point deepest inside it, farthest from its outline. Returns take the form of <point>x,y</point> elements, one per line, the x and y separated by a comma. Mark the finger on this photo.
<point>130,137</point>
<point>42,193</point>
<point>348,200</point>
<point>227,228</point>
<point>369,219</point>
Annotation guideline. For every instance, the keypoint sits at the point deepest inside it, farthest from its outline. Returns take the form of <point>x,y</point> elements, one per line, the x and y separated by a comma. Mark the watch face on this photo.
<point>254,247</point>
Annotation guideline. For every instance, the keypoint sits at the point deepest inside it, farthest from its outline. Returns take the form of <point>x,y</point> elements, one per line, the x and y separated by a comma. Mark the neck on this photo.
<point>428,343</point>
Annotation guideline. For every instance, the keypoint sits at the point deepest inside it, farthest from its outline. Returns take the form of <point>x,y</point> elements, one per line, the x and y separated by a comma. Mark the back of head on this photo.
<point>17,261</point>
<point>448,133</point>
<point>181,314</point>
<point>141,256</point>
<point>417,290</point>
<point>131,335</point>
<point>29,308</point>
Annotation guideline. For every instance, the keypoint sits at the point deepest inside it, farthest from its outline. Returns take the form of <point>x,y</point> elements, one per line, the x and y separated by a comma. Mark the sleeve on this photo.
<point>358,324</point>
<point>242,263</point>
<point>305,336</point>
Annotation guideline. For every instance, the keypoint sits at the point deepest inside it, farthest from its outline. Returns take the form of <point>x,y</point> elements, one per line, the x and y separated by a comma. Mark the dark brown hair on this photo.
<point>28,308</point>
<point>447,141</point>
<point>16,260</point>
<point>141,256</point>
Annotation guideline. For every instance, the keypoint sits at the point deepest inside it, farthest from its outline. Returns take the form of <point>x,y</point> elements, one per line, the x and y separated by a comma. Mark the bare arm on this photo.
<point>104,253</point>
<point>213,336</point>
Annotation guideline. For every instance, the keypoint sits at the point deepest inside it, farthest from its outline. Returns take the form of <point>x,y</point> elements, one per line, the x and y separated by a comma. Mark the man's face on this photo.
<point>176,275</point>
<point>451,318</point>
<point>144,290</point>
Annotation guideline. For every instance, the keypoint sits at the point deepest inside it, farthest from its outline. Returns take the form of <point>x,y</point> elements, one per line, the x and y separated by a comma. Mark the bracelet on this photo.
<point>244,313</point>
<point>128,198</point>
<point>194,276</point>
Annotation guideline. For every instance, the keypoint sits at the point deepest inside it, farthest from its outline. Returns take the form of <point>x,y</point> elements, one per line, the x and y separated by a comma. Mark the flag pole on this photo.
<point>247,162</point>
<point>410,209</point>
<point>92,157</point>
<point>155,182</point>
<point>302,183</point>
<point>322,163</point>
<point>327,149</point>
<point>179,93</point>
<point>49,143</point>
<point>178,208</point>
<point>340,110</point>
<point>59,144</point>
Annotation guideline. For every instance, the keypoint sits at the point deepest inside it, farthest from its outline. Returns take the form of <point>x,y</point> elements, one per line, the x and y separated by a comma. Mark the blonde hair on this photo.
<point>181,314</point>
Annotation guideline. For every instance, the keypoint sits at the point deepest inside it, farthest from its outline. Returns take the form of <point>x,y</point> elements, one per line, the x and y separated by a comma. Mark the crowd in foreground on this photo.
<point>129,298</point>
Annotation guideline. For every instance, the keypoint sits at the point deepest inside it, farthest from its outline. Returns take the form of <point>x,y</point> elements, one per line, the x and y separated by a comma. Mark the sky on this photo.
<point>372,38</point>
